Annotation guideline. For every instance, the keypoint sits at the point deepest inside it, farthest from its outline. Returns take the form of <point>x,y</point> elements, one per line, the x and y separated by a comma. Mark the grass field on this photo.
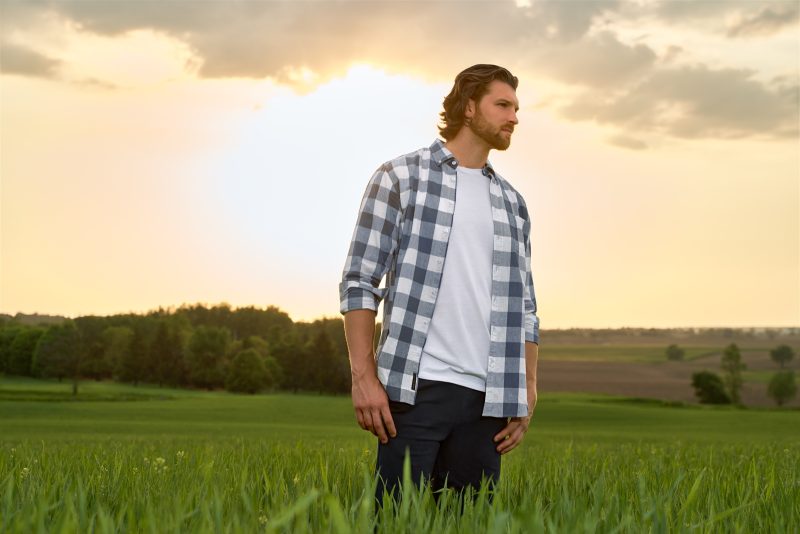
<point>176,461</point>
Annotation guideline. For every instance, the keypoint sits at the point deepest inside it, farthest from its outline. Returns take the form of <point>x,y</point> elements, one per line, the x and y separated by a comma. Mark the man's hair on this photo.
<point>471,84</point>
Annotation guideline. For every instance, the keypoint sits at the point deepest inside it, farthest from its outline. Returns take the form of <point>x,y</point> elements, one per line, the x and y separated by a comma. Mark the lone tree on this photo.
<point>782,354</point>
<point>674,352</point>
<point>782,387</point>
<point>732,366</point>
<point>709,389</point>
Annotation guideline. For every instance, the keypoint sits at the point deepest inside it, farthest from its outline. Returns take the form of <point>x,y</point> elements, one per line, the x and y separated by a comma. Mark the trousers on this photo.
<point>450,444</point>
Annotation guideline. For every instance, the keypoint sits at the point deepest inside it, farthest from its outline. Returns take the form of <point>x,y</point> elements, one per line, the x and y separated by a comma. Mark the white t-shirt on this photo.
<point>457,347</point>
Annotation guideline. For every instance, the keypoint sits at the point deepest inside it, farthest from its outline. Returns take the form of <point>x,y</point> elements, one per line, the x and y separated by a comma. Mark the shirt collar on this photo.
<point>442,156</point>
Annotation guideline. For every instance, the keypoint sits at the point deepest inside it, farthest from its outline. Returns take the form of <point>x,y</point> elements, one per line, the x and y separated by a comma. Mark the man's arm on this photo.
<point>374,241</point>
<point>514,431</point>
<point>512,434</point>
<point>369,397</point>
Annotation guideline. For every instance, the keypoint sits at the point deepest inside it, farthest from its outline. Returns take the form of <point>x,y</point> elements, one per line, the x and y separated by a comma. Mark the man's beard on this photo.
<point>481,127</point>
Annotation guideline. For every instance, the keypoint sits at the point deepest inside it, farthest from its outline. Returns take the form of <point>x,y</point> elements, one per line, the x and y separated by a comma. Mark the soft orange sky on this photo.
<point>152,155</point>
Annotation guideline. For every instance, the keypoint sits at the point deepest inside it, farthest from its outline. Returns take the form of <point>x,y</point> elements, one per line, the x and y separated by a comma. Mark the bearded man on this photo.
<point>452,382</point>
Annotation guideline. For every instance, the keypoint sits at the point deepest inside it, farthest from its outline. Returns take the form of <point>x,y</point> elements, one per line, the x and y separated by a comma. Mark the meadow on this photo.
<point>147,459</point>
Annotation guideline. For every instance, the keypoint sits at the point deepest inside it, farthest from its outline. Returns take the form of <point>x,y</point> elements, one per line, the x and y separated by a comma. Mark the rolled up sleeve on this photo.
<point>374,242</point>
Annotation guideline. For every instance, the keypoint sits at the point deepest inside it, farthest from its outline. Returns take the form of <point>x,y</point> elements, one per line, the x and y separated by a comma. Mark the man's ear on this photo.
<point>469,111</point>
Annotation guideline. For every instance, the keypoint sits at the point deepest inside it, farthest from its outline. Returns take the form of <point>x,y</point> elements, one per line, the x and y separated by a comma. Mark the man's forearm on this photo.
<point>531,360</point>
<point>359,330</point>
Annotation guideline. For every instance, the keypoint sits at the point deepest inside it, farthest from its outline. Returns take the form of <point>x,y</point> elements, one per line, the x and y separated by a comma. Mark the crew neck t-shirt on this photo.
<point>457,346</point>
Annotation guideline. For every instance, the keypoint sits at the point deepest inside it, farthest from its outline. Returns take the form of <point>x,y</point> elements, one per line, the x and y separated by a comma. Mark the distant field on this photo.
<point>216,462</point>
<point>619,353</point>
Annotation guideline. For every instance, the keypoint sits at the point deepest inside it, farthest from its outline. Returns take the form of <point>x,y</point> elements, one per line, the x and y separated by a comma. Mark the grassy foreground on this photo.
<point>213,462</point>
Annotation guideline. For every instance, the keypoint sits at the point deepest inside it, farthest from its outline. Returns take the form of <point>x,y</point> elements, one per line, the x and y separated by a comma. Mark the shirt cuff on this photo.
<point>531,328</point>
<point>358,298</point>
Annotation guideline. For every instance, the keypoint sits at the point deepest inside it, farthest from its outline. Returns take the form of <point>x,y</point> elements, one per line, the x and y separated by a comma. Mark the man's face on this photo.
<point>495,116</point>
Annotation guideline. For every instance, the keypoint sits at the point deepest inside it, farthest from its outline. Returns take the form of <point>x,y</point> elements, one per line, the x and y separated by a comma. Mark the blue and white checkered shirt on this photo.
<point>402,233</point>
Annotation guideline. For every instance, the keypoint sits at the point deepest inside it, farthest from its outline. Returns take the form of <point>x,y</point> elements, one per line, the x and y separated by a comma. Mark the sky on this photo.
<point>161,153</point>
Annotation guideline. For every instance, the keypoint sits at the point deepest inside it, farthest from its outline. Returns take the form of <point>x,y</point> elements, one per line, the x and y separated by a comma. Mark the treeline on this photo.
<point>244,349</point>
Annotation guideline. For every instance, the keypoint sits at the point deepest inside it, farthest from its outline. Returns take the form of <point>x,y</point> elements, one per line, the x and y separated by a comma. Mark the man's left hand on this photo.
<point>512,434</point>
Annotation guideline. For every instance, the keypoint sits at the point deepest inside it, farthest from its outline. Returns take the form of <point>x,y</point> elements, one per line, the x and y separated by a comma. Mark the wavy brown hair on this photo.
<point>470,84</point>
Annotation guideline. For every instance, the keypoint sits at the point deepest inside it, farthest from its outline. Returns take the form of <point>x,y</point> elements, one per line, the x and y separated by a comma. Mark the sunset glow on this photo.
<point>150,159</point>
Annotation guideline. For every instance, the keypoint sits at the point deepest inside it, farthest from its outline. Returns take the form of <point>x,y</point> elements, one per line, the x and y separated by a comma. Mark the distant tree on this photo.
<point>320,363</point>
<point>732,367</point>
<point>709,389</point>
<point>246,374</point>
<point>782,387</point>
<point>291,353</point>
<point>674,352</point>
<point>7,335</point>
<point>93,363</point>
<point>205,357</point>
<point>274,372</point>
<point>134,362</point>
<point>58,354</point>
<point>782,355</point>
<point>20,354</point>
<point>167,351</point>
<point>273,369</point>
<point>116,346</point>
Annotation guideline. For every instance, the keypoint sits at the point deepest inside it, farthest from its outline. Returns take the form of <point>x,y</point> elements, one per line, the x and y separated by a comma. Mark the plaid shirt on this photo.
<point>402,233</point>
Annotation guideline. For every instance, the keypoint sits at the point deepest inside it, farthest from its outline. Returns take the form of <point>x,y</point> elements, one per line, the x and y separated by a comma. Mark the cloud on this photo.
<point>682,10</point>
<point>625,141</point>
<point>734,18</point>
<point>697,102</point>
<point>274,39</point>
<point>597,61</point>
<point>305,44</point>
<point>768,21</point>
<point>15,59</point>
<point>566,20</point>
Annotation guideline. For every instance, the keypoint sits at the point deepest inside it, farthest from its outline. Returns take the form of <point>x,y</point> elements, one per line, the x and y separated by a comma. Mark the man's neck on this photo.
<point>469,149</point>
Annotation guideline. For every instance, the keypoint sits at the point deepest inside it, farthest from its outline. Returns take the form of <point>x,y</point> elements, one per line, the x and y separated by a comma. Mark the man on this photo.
<point>454,382</point>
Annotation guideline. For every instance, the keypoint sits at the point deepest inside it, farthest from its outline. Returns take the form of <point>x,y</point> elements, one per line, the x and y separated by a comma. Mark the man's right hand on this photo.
<point>372,407</point>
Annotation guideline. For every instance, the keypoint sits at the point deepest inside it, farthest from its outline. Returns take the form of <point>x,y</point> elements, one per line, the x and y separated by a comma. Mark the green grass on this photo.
<point>215,462</point>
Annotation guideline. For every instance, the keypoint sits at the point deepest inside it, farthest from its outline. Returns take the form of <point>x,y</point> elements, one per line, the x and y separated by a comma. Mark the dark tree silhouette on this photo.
<point>674,352</point>
<point>732,366</point>
<point>782,387</point>
<point>709,389</point>
<point>782,355</point>
<point>58,354</point>
<point>246,374</point>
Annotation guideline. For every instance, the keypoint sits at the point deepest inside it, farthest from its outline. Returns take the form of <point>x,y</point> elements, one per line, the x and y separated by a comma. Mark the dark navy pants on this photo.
<point>448,440</point>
